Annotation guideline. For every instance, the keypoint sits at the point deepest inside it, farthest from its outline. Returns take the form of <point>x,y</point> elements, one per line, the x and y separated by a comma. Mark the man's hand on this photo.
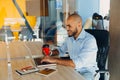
<point>49,59</point>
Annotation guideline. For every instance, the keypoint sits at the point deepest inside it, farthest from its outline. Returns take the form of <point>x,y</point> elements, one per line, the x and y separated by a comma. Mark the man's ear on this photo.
<point>79,24</point>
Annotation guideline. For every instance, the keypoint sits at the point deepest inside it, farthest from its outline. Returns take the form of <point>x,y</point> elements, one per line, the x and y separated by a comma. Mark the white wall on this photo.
<point>86,8</point>
<point>104,7</point>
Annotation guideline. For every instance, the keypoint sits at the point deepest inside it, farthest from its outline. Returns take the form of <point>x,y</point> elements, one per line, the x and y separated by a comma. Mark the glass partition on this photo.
<point>42,20</point>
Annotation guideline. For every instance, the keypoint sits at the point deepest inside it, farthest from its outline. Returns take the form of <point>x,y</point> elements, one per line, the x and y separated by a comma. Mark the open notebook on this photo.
<point>27,70</point>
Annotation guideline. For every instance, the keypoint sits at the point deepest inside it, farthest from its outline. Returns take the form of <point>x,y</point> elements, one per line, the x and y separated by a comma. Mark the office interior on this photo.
<point>41,20</point>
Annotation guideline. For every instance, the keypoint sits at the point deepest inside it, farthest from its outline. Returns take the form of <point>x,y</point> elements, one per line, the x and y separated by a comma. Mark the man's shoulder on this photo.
<point>89,36</point>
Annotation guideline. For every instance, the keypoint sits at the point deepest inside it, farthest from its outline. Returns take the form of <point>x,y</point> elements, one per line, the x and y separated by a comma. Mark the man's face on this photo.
<point>72,28</point>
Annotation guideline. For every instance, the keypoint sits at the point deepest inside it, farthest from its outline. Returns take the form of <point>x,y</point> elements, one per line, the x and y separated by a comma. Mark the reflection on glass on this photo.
<point>15,28</point>
<point>49,14</point>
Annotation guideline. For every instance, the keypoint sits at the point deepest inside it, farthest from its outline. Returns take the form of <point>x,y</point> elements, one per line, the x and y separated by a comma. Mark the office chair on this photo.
<point>102,38</point>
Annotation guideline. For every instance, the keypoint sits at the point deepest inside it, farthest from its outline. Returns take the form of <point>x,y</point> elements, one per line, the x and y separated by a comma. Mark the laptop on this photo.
<point>43,64</point>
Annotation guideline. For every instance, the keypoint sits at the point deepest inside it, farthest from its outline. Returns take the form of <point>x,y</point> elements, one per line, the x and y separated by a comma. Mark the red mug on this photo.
<point>46,49</point>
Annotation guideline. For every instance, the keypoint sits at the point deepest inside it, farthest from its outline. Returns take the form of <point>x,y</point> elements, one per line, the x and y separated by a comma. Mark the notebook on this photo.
<point>47,71</point>
<point>27,70</point>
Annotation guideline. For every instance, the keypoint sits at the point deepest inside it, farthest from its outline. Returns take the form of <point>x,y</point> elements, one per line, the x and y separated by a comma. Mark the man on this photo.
<point>81,47</point>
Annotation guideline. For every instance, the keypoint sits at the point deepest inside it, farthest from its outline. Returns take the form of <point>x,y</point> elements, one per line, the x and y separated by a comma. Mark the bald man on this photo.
<point>81,47</point>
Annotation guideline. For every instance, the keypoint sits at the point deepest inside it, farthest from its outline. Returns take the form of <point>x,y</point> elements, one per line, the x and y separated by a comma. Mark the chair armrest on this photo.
<point>102,71</point>
<point>97,75</point>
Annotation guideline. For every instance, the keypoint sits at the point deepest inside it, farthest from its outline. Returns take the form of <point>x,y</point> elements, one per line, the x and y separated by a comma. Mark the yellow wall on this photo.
<point>8,10</point>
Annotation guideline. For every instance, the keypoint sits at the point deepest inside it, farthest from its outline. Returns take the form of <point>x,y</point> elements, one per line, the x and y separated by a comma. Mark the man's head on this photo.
<point>74,25</point>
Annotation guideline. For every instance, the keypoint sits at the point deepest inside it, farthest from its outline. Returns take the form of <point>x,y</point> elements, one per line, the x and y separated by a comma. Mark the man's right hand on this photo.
<point>48,59</point>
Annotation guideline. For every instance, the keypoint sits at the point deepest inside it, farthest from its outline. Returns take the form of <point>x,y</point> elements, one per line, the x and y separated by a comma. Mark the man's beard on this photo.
<point>73,33</point>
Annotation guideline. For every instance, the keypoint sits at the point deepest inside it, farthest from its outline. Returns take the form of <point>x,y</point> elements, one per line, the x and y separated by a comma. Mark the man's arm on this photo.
<point>65,62</point>
<point>58,61</point>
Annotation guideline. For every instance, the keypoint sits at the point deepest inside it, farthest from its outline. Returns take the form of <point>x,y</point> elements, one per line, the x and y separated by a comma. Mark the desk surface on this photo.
<point>3,54</point>
<point>18,51</point>
<point>3,70</point>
